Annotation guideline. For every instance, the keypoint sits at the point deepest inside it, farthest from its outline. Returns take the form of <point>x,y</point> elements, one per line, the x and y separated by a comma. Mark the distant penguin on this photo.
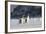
<point>20,21</point>
<point>28,18</point>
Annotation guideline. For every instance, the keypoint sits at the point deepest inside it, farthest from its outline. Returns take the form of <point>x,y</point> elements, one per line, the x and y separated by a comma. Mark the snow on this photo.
<point>33,23</point>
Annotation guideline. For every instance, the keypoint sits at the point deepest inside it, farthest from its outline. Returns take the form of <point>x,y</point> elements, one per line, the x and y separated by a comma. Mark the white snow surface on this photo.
<point>33,23</point>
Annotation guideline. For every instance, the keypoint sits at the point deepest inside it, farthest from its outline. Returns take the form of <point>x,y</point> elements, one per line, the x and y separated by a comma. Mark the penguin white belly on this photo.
<point>23,20</point>
<point>27,19</point>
